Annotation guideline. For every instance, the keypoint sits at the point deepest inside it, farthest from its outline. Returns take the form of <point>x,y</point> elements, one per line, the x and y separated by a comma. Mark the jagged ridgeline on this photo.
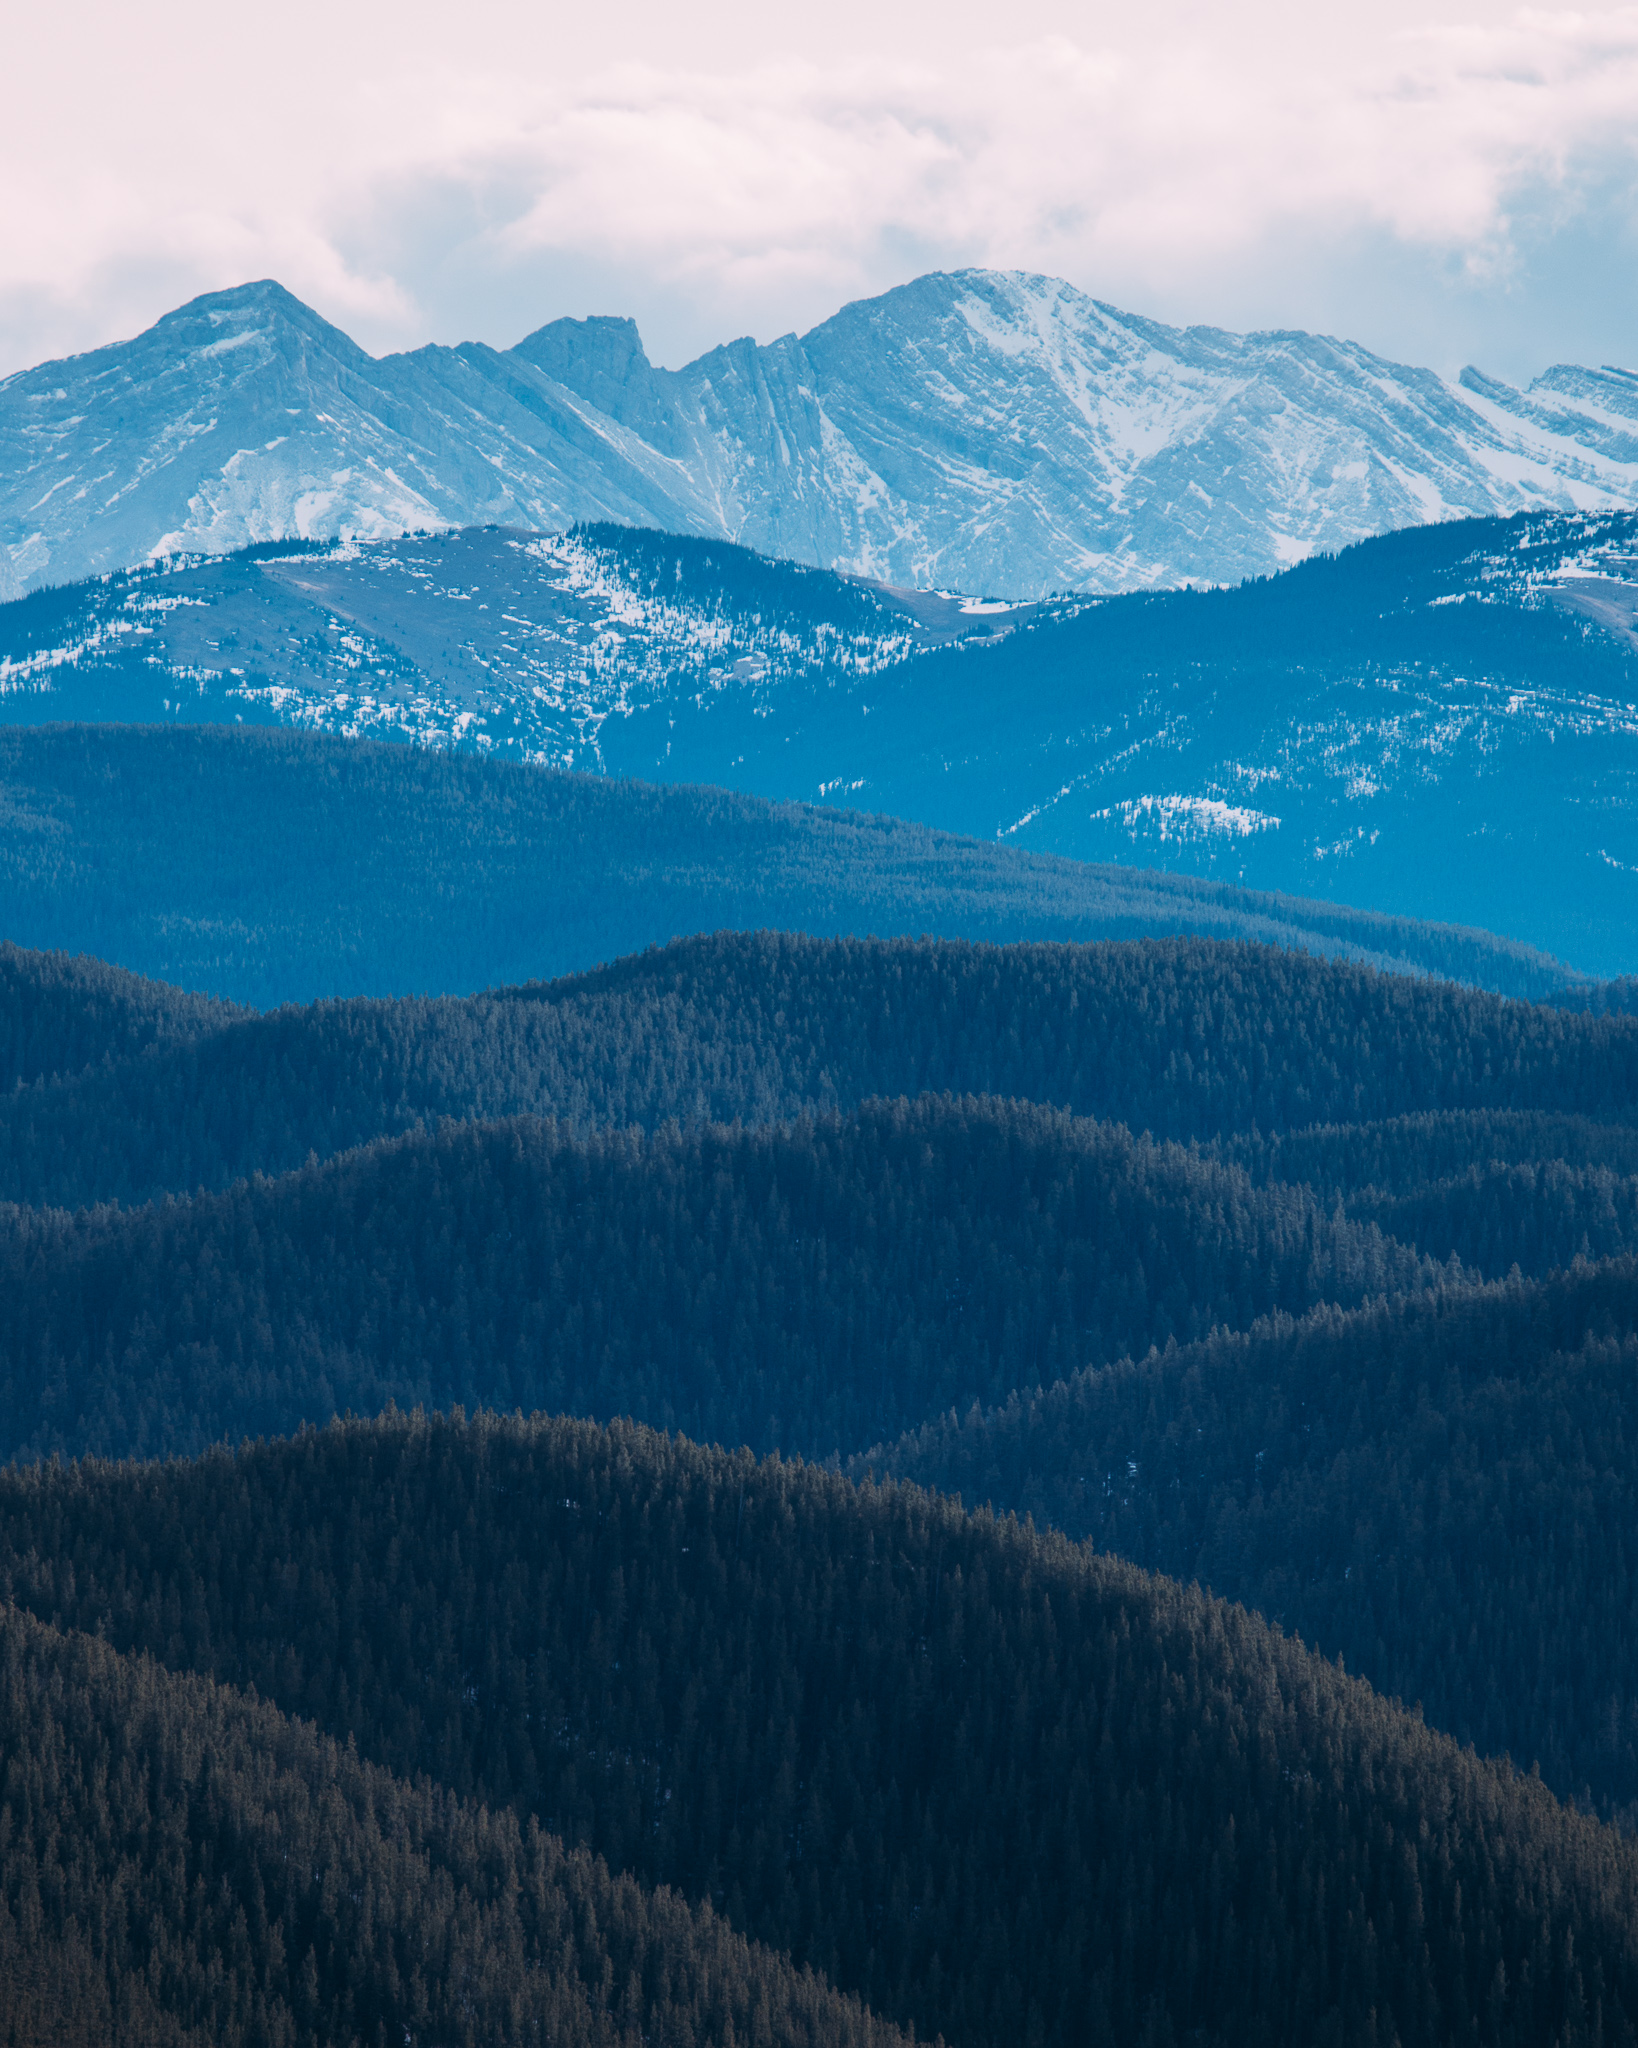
<point>1187,1039</point>
<point>181,1866</point>
<point>998,1787</point>
<point>274,866</point>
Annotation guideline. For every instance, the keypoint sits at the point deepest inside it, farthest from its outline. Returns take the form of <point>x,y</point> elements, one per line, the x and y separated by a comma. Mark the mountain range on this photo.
<point>986,431</point>
<point>1438,723</point>
<point>638,1411</point>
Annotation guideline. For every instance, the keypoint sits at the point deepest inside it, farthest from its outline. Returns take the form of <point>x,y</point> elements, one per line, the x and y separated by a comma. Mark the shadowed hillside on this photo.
<point>180,1865</point>
<point>997,1786</point>
<point>1186,1039</point>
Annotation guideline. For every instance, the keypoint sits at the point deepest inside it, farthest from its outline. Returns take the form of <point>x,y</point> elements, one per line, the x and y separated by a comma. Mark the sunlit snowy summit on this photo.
<point>985,431</point>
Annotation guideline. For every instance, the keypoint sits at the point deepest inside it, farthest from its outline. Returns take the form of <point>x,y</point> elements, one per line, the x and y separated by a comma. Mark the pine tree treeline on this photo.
<point>1189,1039</point>
<point>179,1865</point>
<point>997,1786</point>
<point>810,1287</point>
<point>1442,1489</point>
<point>1406,1153</point>
<point>1536,1217</point>
<point>820,1195</point>
<point>60,1015</point>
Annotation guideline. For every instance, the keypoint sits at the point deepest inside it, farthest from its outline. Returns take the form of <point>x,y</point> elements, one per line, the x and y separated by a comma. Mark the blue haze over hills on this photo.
<point>990,432</point>
<point>1439,724</point>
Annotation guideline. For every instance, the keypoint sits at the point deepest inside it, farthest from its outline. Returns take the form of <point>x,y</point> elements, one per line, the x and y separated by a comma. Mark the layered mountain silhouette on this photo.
<point>1438,723</point>
<point>989,431</point>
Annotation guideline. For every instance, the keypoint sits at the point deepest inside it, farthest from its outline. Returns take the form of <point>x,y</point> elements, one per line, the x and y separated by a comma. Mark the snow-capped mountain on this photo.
<point>1440,723</point>
<point>978,430</point>
<point>525,644</point>
<point>244,417</point>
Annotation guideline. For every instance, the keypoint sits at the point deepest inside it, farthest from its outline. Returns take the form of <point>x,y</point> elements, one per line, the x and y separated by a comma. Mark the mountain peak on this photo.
<point>973,429</point>
<point>601,359</point>
<point>262,305</point>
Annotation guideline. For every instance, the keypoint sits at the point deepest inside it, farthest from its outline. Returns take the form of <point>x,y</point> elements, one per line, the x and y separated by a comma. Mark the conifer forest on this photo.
<point>721,1428</point>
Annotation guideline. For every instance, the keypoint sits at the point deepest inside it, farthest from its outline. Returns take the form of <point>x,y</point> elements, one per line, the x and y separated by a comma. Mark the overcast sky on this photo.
<point>1444,186</point>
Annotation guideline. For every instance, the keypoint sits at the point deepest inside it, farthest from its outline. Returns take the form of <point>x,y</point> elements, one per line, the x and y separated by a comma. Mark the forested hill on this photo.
<point>1403,1152</point>
<point>1440,1488</point>
<point>809,1288</point>
<point>1313,1283</point>
<point>1415,722</point>
<point>181,1867</point>
<point>1187,1039</point>
<point>999,1787</point>
<point>274,866</point>
<point>61,1015</point>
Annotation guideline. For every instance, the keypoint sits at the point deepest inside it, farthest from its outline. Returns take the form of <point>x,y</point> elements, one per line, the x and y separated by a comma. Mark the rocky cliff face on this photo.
<point>245,417</point>
<point>985,431</point>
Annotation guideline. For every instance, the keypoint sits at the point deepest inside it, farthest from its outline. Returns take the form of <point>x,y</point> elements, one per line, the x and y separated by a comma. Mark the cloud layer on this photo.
<point>1431,189</point>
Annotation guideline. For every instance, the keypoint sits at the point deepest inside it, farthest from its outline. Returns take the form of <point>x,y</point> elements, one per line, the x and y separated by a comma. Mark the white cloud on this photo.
<point>1239,164</point>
